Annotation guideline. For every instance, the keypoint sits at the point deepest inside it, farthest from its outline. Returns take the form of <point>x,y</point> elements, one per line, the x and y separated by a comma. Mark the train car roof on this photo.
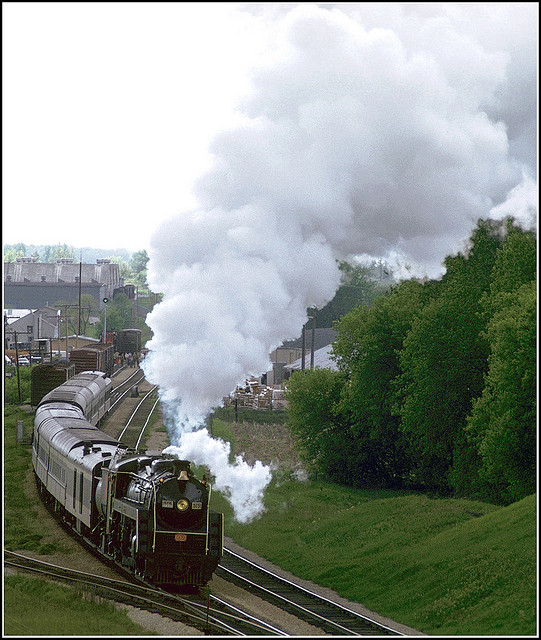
<point>69,439</point>
<point>77,389</point>
<point>65,438</point>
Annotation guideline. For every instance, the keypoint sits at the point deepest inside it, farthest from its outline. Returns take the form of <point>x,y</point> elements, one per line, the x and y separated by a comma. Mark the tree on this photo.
<point>499,429</point>
<point>503,420</point>
<point>138,265</point>
<point>12,252</point>
<point>444,359</point>
<point>119,314</point>
<point>367,351</point>
<point>139,261</point>
<point>53,253</point>
<point>357,287</point>
<point>324,442</point>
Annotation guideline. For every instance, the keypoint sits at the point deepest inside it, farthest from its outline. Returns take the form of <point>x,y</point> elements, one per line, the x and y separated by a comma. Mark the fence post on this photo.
<point>20,431</point>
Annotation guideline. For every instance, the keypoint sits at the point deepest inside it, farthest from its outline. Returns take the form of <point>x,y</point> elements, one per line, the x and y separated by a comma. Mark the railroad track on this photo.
<point>318,611</point>
<point>201,611</point>
<point>125,387</point>
<point>314,609</point>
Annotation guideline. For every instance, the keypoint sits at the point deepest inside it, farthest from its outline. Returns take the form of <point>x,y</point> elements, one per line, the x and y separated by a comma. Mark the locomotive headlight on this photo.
<point>183,504</point>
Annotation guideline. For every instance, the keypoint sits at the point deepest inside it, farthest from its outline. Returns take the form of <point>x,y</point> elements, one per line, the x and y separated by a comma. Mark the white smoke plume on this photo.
<point>378,129</point>
<point>241,483</point>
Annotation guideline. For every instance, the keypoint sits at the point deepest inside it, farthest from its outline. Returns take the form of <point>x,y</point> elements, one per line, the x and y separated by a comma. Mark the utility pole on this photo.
<point>66,319</point>
<point>17,366</point>
<point>303,347</point>
<point>104,336</point>
<point>15,337</point>
<point>313,337</point>
<point>80,285</point>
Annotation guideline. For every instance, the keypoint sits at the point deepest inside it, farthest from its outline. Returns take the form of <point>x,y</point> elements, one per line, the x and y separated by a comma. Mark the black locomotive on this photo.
<point>147,511</point>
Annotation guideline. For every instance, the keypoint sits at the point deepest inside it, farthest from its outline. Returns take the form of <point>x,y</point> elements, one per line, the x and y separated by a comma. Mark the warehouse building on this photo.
<point>31,285</point>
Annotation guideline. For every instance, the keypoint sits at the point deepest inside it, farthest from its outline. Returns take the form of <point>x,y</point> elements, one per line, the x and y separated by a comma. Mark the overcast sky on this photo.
<point>109,110</point>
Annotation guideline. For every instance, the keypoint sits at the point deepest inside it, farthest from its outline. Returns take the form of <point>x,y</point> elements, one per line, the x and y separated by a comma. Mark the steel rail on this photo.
<point>121,589</point>
<point>135,411</point>
<point>316,597</point>
<point>146,423</point>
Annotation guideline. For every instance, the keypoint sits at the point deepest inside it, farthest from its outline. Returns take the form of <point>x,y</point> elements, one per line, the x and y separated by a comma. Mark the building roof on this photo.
<point>63,271</point>
<point>322,360</point>
<point>12,315</point>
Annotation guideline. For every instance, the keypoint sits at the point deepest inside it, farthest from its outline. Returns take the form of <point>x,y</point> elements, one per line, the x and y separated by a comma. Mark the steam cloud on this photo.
<point>379,130</point>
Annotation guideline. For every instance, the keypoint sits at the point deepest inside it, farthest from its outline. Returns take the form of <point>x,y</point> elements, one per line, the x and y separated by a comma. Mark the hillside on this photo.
<point>443,566</point>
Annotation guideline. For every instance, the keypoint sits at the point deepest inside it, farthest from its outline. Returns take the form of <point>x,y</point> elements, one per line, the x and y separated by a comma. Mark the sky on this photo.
<point>250,147</point>
<point>109,109</point>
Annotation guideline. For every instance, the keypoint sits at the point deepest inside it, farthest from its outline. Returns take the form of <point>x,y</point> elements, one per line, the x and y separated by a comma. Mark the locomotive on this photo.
<point>146,511</point>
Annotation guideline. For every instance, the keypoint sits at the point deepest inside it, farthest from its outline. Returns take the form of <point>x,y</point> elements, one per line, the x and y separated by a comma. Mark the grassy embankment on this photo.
<point>442,566</point>
<point>33,606</point>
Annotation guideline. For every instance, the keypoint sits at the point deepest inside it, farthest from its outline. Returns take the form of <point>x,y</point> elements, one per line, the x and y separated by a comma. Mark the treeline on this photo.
<point>436,388</point>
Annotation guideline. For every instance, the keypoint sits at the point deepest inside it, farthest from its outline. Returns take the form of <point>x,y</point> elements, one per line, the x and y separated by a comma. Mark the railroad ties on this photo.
<point>315,609</point>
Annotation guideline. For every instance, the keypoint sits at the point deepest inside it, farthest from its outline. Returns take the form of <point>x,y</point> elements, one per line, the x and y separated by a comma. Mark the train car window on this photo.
<point>81,493</point>
<point>74,486</point>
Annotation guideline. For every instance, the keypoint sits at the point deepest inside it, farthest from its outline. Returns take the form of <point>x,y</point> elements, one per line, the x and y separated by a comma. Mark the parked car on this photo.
<point>7,360</point>
<point>24,361</point>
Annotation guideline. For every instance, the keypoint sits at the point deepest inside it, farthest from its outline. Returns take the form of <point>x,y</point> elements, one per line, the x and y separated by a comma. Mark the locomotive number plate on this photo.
<point>197,505</point>
<point>181,537</point>
<point>167,504</point>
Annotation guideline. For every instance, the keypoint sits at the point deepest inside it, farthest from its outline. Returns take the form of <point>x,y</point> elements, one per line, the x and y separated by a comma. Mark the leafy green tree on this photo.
<point>138,265</point>
<point>367,350</point>
<point>516,264</point>
<point>119,314</point>
<point>12,252</point>
<point>444,359</point>
<point>515,267</point>
<point>503,420</point>
<point>324,442</point>
<point>357,287</point>
<point>139,261</point>
<point>59,251</point>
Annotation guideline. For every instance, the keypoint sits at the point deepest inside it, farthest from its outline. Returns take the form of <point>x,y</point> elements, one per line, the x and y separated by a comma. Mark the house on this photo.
<point>27,325</point>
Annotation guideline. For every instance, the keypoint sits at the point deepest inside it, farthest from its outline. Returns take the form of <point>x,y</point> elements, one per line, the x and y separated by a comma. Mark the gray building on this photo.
<point>29,284</point>
<point>284,358</point>
<point>29,325</point>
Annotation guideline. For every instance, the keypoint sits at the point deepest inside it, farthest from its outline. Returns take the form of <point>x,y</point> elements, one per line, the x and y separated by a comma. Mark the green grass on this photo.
<point>22,528</point>
<point>11,384</point>
<point>34,607</point>
<point>442,566</point>
<point>246,414</point>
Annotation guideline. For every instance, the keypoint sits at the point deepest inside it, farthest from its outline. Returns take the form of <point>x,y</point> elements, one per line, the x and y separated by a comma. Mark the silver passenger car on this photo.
<point>68,450</point>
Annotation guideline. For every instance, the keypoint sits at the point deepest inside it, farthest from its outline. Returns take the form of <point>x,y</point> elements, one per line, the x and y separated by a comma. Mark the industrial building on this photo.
<point>32,285</point>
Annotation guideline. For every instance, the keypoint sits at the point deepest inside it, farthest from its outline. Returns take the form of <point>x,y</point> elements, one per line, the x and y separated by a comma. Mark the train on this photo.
<point>93,357</point>
<point>128,341</point>
<point>146,511</point>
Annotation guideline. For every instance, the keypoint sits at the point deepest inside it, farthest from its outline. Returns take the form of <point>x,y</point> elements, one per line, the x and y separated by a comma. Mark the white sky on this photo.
<point>108,108</point>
